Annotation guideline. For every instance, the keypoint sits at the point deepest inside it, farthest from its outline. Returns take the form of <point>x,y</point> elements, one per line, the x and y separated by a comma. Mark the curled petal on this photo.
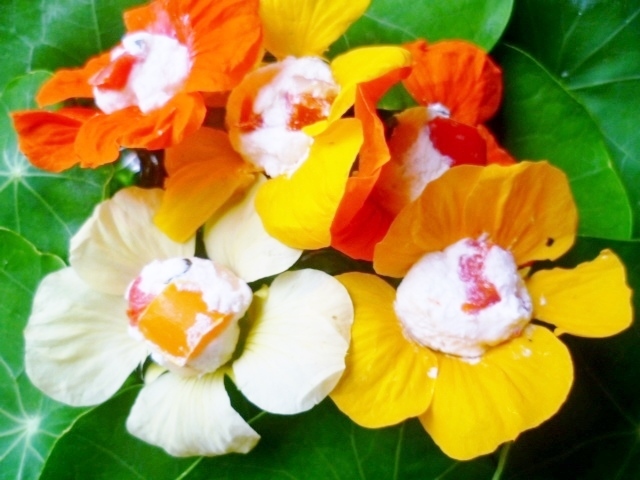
<point>590,300</point>
<point>236,238</point>
<point>298,338</point>
<point>77,348</point>
<point>120,238</point>
<point>306,27</point>
<point>477,405</point>
<point>388,379</point>
<point>188,416</point>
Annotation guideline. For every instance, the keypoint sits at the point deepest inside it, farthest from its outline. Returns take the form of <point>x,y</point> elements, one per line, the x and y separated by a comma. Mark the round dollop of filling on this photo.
<point>146,71</point>
<point>279,100</point>
<point>187,310</point>
<point>463,300</point>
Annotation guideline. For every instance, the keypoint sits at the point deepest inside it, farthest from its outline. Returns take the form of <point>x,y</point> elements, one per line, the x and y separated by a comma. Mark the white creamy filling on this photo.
<point>432,301</point>
<point>222,292</point>
<point>414,163</point>
<point>162,65</point>
<point>275,146</point>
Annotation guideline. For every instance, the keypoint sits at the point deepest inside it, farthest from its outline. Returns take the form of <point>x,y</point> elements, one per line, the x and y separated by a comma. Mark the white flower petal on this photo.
<point>190,416</point>
<point>120,238</point>
<point>236,238</point>
<point>77,349</point>
<point>295,349</point>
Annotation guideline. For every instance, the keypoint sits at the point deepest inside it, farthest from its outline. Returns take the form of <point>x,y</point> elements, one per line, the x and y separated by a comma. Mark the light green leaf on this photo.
<point>592,47</point>
<point>30,422</point>
<point>543,121</point>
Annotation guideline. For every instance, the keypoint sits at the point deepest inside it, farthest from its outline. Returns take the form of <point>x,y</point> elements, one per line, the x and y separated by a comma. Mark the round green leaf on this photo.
<point>542,120</point>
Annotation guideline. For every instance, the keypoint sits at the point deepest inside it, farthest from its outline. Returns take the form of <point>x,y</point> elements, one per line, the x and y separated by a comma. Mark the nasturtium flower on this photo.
<point>459,344</point>
<point>457,86</point>
<point>286,117</point>
<point>148,90</point>
<point>131,292</point>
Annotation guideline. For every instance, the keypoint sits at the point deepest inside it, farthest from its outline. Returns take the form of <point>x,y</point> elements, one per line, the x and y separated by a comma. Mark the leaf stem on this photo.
<point>502,461</point>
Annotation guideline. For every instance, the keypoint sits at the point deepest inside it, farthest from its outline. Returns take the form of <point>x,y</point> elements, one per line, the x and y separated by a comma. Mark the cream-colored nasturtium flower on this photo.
<point>131,292</point>
<point>457,344</point>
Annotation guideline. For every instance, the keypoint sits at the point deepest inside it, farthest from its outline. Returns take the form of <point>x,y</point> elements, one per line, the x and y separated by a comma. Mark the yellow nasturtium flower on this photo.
<point>457,344</point>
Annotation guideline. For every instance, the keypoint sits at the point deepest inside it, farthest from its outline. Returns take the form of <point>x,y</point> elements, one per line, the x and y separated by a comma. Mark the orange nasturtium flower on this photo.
<point>148,89</point>
<point>457,86</point>
<point>457,344</point>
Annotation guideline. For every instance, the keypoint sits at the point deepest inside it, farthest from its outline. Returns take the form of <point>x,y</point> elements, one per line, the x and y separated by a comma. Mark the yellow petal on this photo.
<point>299,210</point>
<point>387,379</point>
<point>204,171</point>
<point>514,387</point>
<point>590,300</point>
<point>363,65</point>
<point>306,27</point>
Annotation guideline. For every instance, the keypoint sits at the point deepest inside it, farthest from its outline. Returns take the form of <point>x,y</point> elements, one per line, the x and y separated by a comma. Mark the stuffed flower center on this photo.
<point>187,310</point>
<point>146,71</point>
<point>289,95</point>
<point>463,300</point>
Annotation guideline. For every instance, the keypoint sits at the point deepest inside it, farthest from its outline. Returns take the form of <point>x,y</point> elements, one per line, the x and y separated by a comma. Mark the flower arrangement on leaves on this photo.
<point>270,150</point>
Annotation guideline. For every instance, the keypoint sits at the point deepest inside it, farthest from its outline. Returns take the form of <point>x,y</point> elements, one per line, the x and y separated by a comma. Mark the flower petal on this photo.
<point>363,65</point>
<point>388,379</point>
<point>119,239</point>
<point>236,238</point>
<point>526,208</point>
<point>203,173</point>
<point>306,27</point>
<point>317,187</point>
<point>77,347</point>
<point>294,352</point>
<point>458,75</point>
<point>189,416</point>
<point>514,387</point>
<point>590,300</point>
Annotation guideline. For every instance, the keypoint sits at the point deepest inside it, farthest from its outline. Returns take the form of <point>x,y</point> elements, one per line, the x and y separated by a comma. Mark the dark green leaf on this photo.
<point>543,121</point>
<point>593,49</point>
<point>30,422</point>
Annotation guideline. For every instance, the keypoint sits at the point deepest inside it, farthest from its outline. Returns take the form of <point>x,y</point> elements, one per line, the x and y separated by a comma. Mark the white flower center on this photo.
<point>187,310</point>
<point>463,300</point>
<point>146,71</point>
<point>292,94</point>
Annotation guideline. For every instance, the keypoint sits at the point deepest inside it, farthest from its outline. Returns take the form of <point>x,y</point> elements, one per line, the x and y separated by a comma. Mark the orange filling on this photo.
<point>308,110</point>
<point>180,324</point>
<point>481,293</point>
<point>115,75</point>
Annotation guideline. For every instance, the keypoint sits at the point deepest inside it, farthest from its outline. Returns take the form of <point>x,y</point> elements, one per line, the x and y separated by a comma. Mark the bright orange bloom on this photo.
<point>148,89</point>
<point>456,344</point>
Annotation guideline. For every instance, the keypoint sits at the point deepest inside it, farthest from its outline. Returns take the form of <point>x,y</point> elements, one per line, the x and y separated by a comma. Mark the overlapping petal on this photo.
<point>298,337</point>
<point>306,27</point>
<point>516,386</point>
<point>189,416</point>
<point>77,348</point>
<point>590,300</point>
<point>388,379</point>
<point>120,238</point>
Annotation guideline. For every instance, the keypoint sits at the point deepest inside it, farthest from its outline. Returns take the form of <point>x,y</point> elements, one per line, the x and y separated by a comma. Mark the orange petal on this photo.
<point>590,300</point>
<point>203,173</point>
<point>47,138</point>
<point>299,210</point>
<point>526,208</point>
<point>387,378</point>
<point>515,386</point>
<point>457,74</point>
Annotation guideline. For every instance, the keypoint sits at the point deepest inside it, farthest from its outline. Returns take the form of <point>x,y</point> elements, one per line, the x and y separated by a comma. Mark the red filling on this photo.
<point>458,141</point>
<point>481,293</point>
<point>116,75</point>
<point>138,302</point>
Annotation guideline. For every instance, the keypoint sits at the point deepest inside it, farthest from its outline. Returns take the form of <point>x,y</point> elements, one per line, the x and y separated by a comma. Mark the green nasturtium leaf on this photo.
<point>595,434</point>
<point>44,207</point>
<point>592,48</point>
<point>30,422</point>
<point>56,33</point>
<point>398,21</point>
<point>542,120</point>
